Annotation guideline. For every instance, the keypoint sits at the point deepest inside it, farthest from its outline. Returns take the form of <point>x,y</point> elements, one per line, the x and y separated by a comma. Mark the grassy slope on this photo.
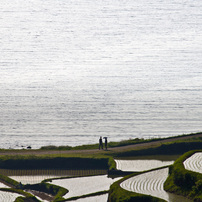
<point>92,159</point>
<point>184,182</point>
<point>96,159</point>
<point>118,194</point>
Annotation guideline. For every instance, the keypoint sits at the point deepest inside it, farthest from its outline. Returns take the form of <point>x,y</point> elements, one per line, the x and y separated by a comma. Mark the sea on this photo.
<point>74,70</point>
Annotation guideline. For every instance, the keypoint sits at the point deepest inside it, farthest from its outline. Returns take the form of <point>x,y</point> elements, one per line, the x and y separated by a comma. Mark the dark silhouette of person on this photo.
<point>105,142</point>
<point>100,143</point>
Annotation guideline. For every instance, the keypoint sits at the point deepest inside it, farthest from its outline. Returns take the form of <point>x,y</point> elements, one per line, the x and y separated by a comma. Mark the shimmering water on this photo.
<point>74,70</point>
<point>151,183</point>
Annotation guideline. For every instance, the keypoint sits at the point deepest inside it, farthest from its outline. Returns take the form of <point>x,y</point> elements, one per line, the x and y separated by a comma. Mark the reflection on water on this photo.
<point>140,165</point>
<point>151,183</point>
<point>153,157</point>
<point>90,185</point>
<point>194,163</point>
<point>74,70</point>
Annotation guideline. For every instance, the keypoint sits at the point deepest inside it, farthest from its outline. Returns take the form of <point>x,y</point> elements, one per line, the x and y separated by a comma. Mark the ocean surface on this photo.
<point>74,70</point>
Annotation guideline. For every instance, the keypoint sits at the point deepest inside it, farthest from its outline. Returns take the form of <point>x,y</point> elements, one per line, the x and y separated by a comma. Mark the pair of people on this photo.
<point>101,144</point>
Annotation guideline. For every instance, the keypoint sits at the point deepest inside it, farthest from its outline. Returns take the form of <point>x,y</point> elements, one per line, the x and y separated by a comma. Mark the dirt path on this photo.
<point>96,151</point>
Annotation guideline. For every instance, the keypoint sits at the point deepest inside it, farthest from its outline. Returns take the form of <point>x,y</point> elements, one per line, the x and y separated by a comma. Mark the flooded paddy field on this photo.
<point>8,196</point>
<point>93,198</point>
<point>143,163</point>
<point>140,165</point>
<point>36,176</point>
<point>32,179</point>
<point>85,185</point>
<point>194,163</point>
<point>151,183</point>
<point>2,185</point>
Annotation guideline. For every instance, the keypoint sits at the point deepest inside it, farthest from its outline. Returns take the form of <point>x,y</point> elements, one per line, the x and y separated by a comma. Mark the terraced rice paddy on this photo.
<point>102,198</point>
<point>85,185</point>
<point>40,195</point>
<point>151,183</point>
<point>7,196</point>
<point>32,179</point>
<point>10,172</point>
<point>140,165</point>
<point>2,185</point>
<point>36,176</point>
<point>194,163</point>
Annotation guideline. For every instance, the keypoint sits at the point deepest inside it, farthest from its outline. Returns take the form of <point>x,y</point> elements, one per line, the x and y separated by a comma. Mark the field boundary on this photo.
<point>184,182</point>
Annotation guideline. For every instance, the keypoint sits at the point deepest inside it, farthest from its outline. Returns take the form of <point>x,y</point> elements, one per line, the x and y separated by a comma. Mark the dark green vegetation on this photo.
<point>121,143</point>
<point>36,162</point>
<point>184,182</point>
<point>117,194</point>
<point>88,157</point>
<point>10,182</point>
<point>95,146</point>
<point>170,148</point>
<point>54,190</point>
<point>16,189</point>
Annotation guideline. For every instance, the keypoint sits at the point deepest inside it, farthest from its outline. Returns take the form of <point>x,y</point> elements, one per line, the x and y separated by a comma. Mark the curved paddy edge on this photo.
<point>118,194</point>
<point>184,182</point>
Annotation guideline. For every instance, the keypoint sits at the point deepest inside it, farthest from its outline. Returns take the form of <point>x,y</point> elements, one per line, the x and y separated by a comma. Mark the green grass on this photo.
<point>96,146</point>
<point>26,197</point>
<point>118,144</point>
<point>104,160</point>
<point>118,194</point>
<point>9,181</point>
<point>57,191</point>
<point>170,148</point>
<point>182,181</point>
<point>35,162</point>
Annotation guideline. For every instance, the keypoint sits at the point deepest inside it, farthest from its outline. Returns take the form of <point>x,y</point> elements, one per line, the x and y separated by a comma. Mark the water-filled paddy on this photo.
<point>151,183</point>
<point>102,198</point>
<point>2,185</point>
<point>85,185</point>
<point>32,179</point>
<point>140,165</point>
<point>8,196</point>
<point>36,176</point>
<point>194,163</point>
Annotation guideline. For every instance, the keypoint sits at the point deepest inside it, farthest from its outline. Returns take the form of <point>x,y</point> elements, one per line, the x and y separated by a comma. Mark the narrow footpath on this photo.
<point>97,151</point>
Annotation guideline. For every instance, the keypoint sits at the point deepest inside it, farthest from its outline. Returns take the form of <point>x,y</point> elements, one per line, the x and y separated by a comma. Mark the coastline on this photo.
<point>111,150</point>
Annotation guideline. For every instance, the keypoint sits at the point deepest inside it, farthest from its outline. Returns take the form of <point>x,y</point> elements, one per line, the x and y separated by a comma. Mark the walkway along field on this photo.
<point>111,151</point>
<point>91,159</point>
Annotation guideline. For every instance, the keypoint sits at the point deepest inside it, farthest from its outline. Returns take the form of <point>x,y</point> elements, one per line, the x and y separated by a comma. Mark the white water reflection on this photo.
<point>194,163</point>
<point>140,165</point>
<point>8,196</point>
<point>151,183</point>
<point>32,179</point>
<point>85,185</point>
<point>74,70</point>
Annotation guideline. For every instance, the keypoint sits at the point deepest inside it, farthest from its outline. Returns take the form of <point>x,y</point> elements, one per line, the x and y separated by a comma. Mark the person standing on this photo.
<point>100,143</point>
<point>105,142</point>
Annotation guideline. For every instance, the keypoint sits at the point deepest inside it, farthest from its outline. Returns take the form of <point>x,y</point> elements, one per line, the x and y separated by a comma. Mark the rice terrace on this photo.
<point>163,169</point>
